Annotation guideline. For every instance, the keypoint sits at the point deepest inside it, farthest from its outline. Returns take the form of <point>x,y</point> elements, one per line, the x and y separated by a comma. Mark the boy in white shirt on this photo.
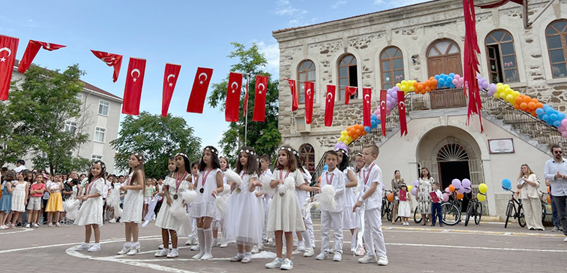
<point>371,198</point>
<point>436,206</point>
<point>332,217</point>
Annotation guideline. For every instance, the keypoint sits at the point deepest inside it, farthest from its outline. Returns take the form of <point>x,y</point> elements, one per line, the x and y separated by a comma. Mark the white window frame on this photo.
<point>96,157</point>
<point>100,130</point>
<point>102,103</point>
<point>69,125</point>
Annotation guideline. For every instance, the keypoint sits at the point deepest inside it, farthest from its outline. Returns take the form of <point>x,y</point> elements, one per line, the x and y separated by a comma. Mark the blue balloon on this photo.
<point>441,82</point>
<point>545,106</point>
<point>557,123</point>
<point>373,122</point>
<point>367,129</point>
<point>553,117</point>
<point>437,77</point>
<point>540,112</point>
<point>378,121</point>
<point>373,117</point>
<point>549,122</point>
<point>452,75</point>
<point>561,116</point>
<point>507,184</point>
<point>326,167</point>
<point>545,117</point>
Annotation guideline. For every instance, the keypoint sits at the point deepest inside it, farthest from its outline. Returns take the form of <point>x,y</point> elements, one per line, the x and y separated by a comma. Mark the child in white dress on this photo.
<point>224,197</point>
<point>244,220</point>
<point>350,218</point>
<point>209,184</point>
<point>133,203</point>
<point>306,240</point>
<point>90,213</point>
<point>404,208</point>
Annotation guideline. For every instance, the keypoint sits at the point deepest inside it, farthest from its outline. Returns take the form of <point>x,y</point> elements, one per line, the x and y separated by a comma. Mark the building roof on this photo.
<point>343,19</point>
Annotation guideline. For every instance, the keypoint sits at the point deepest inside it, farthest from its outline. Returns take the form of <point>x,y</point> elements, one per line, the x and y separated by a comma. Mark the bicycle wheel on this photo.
<point>390,212</point>
<point>416,217</point>
<point>521,217</point>
<point>384,205</point>
<point>451,214</point>
<point>509,210</point>
<point>477,213</point>
<point>470,209</point>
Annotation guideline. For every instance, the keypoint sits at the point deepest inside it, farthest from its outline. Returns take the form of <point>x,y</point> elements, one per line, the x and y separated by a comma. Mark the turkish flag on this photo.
<point>32,50</point>
<point>329,105</point>
<point>8,49</point>
<point>402,113</point>
<point>110,59</point>
<point>233,97</point>
<point>169,81</point>
<point>199,90</point>
<point>309,90</point>
<point>367,106</point>
<point>133,89</point>
<point>261,89</point>
<point>294,99</point>
<point>383,95</point>
<point>349,90</point>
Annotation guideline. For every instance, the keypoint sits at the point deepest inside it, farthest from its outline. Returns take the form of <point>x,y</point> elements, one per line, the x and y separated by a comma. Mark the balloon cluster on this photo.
<point>553,118</point>
<point>446,81</point>
<point>526,103</point>
<point>482,82</point>
<point>406,86</point>
<point>351,133</point>
<point>482,188</point>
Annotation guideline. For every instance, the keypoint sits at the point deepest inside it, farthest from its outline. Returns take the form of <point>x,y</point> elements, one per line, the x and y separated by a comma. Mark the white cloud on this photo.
<point>398,3</point>
<point>272,53</point>
<point>285,8</point>
<point>339,3</point>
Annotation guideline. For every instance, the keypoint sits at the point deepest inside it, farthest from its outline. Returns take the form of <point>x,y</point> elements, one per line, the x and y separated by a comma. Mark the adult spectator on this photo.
<point>20,166</point>
<point>556,172</point>
<point>528,185</point>
<point>397,182</point>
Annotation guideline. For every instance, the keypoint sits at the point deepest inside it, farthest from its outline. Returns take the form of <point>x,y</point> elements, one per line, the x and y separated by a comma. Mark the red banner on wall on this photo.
<point>133,88</point>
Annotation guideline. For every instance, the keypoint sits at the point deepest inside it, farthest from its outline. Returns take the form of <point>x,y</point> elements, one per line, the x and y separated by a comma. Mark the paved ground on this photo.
<point>487,247</point>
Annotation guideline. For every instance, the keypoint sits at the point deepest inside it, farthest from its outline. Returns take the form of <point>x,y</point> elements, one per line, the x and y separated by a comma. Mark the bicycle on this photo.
<point>515,209</point>
<point>474,209</point>
<point>451,211</point>
<point>545,207</point>
<point>387,207</point>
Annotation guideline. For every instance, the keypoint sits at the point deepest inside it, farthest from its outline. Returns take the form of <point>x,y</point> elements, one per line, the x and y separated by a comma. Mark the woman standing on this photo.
<point>396,184</point>
<point>423,197</point>
<point>528,186</point>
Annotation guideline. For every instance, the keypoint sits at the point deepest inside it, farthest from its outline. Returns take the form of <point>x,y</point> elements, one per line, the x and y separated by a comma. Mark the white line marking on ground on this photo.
<point>20,230</point>
<point>482,248</point>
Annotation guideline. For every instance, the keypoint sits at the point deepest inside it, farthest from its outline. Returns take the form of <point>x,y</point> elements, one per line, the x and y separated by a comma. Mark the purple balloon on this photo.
<point>492,88</point>
<point>466,183</point>
<point>461,190</point>
<point>395,88</point>
<point>414,192</point>
<point>467,190</point>
<point>383,186</point>
<point>415,183</point>
<point>389,104</point>
<point>456,183</point>
<point>484,85</point>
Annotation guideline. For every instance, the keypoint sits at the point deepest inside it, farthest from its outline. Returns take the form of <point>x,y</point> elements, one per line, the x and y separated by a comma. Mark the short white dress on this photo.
<point>91,210</point>
<point>244,219</point>
<point>19,197</point>
<point>404,207</point>
<point>350,219</point>
<point>285,213</point>
<point>204,204</point>
<point>133,204</point>
<point>164,219</point>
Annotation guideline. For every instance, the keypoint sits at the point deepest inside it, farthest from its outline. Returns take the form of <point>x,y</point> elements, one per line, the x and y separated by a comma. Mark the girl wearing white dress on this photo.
<point>209,184</point>
<point>350,219</point>
<point>404,208</point>
<point>305,239</point>
<point>133,203</point>
<point>285,214</point>
<point>19,197</point>
<point>244,219</point>
<point>178,181</point>
<point>222,215</point>
<point>90,213</point>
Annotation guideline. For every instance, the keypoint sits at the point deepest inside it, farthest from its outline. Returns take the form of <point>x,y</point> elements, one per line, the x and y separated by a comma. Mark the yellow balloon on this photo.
<point>500,88</point>
<point>348,138</point>
<point>345,142</point>
<point>499,84</point>
<point>404,82</point>
<point>344,133</point>
<point>503,95</point>
<point>510,98</point>
<point>410,187</point>
<point>481,197</point>
<point>496,95</point>
<point>482,188</point>
<point>411,89</point>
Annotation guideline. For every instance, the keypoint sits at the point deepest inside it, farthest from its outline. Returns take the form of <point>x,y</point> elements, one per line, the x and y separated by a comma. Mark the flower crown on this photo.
<point>343,151</point>
<point>101,163</point>
<point>211,149</point>
<point>182,154</point>
<point>296,153</point>
<point>286,148</point>
<point>250,152</point>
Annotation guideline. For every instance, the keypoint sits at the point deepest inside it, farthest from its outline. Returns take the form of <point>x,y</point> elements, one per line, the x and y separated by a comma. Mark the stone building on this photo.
<point>380,49</point>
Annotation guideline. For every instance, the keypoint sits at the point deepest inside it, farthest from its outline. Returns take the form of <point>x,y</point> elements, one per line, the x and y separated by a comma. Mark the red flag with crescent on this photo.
<point>471,63</point>
<point>8,49</point>
<point>110,59</point>
<point>169,81</point>
<point>349,91</point>
<point>383,95</point>
<point>261,90</point>
<point>294,98</point>
<point>233,97</point>
<point>402,113</point>
<point>329,105</point>
<point>309,90</point>
<point>366,106</point>
<point>31,52</point>
<point>133,88</point>
<point>199,90</point>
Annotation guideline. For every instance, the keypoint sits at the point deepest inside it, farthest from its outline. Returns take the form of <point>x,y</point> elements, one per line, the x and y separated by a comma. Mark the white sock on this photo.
<point>201,237</point>
<point>208,240</point>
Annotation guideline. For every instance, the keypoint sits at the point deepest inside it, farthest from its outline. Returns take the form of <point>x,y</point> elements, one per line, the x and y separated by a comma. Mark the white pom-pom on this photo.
<point>266,187</point>
<point>71,204</point>
<point>222,205</point>
<point>232,176</point>
<point>327,197</point>
<point>225,190</point>
<point>177,210</point>
<point>117,212</point>
<point>189,196</point>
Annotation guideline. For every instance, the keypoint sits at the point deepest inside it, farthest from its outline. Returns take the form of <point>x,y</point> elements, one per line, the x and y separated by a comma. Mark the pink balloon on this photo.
<point>447,189</point>
<point>446,197</point>
<point>564,134</point>
<point>564,122</point>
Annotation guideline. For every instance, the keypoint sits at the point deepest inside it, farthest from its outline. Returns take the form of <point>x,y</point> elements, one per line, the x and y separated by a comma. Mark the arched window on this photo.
<point>391,66</point>
<point>347,75</point>
<point>305,73</point>
<point>307,153</point>
<point>444,56</point>
<point>501,56</point>
<point>556,34</point>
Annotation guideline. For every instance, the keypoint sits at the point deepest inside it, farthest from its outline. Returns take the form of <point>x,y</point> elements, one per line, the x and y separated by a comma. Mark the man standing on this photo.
<point>556,172</point>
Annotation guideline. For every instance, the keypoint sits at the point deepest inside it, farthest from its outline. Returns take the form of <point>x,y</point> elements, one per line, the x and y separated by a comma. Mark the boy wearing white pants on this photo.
<point>371,198</point>
<point>332,217</point>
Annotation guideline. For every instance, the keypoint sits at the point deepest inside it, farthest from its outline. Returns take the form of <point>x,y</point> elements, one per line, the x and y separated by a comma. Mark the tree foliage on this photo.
<point>38,107</point>
<point>263,136</point>
<point>158,138</point>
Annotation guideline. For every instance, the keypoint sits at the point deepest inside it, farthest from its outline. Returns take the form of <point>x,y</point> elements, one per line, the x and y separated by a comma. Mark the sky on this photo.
<point>190,33</point>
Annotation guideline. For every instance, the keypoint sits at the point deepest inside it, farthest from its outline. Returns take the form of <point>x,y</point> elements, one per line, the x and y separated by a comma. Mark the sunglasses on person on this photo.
<point>557,152</point>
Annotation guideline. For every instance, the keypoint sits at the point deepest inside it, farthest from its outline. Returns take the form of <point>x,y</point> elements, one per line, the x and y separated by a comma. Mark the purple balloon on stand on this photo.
<point>461,190</point>
<point>415,183</point>
<point>414,192</point>
<point>456,183</point>
<point>467,190</point>
<point>466,183</point>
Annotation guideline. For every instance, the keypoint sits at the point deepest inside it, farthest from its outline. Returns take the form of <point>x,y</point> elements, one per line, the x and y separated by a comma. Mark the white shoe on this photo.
<point>360,251</point>
<point>160,246</point>
<point>28,225</point>
<point>189,242</point>
<point>3,227</point>
<point>198,256</point>
<point>94,248</point>
<point>246,259</point>
<point>565,240</point>
<point>173,253</point>
<point>195,248</point>
<point>134,248</point>
<point>331,250</point>
<point>301,246</point>
<point>162,253</point>
<point>125,248</point>
<point>322,256</point>
<point>255,249</point>
<point>35,225</point>
<point>215,242</point>
<point>383,260</point>
<point>223,245</point>
<point>112,221</point>
<point>84,246</point>
<point>207,256</point>
<point>308,252</point>
<point>338,257</point>
<point>367,259</point>
<point>276,263</point>
<point>287,265</point>
<point>237,258</point>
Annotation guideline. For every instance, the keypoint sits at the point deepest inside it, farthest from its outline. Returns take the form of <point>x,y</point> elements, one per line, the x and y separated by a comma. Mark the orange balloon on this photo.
<point>534,101</point>
<point>415,84</point>
<point>531,105</point>
<point>358,132</point>
<point>419,86</point>
<point>519,99</point>
<point>549,199</point>
<point>523,105</point>
<point>451,188</point>
<point>527,99</point>
<point>390,197</point>
<point>517,106</point>
<point>364,133</point>
<point>427,89</point>
<point>433,81</point>
<point>539,105</point>
<point>319,182</point>
<point>534,113</point>
<point>460,196</point>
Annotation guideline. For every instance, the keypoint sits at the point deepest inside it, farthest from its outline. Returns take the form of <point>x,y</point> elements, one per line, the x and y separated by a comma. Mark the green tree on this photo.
<point>263,136</point>
<point>39,105</point>
<point>158,138</point>
<point>10,148</point>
